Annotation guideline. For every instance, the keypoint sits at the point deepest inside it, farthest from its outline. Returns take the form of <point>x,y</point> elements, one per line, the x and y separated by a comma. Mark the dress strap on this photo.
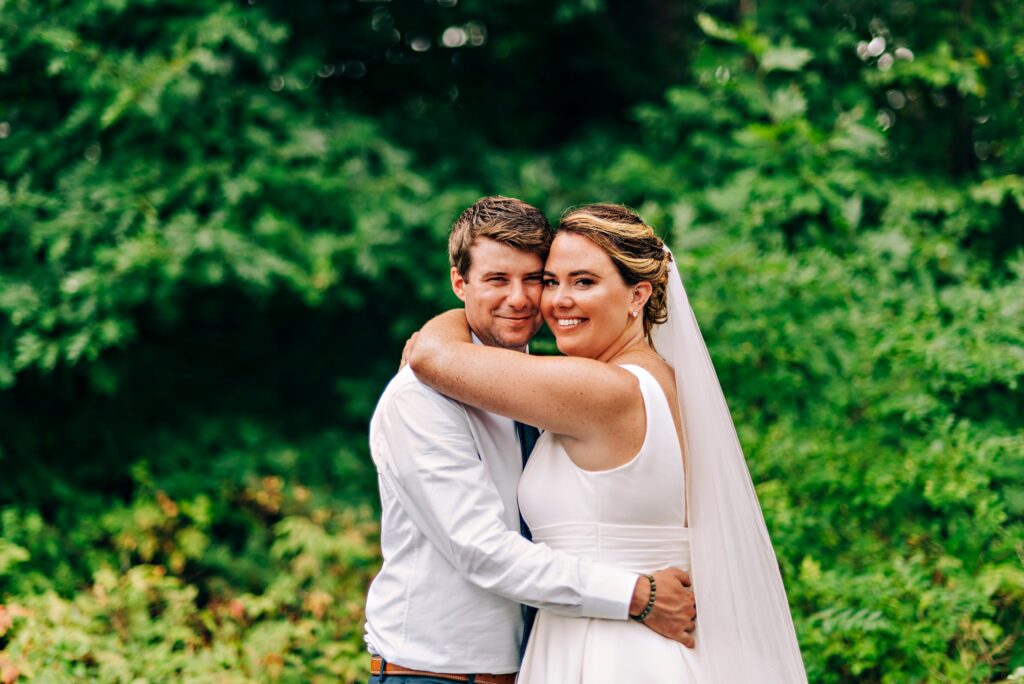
<point>665,442</point>
<point>650,388</point>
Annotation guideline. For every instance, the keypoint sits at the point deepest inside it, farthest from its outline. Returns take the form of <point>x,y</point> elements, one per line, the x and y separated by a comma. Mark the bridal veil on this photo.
<point>744,631</point>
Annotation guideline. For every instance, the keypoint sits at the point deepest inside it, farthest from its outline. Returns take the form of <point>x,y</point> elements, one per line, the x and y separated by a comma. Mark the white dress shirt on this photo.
<point>456,569</point>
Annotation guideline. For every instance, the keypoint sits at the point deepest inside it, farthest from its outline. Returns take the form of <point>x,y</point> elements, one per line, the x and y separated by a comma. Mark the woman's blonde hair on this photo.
<point>636,251</point>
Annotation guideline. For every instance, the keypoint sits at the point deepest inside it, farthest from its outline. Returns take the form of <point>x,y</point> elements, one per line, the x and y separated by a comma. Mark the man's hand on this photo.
<point>674,614</point>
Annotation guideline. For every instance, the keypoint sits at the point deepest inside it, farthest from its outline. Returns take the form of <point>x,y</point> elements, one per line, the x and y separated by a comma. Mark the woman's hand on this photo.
<point>407,350</point>
<point>451,326</point>
<point>427,347</point>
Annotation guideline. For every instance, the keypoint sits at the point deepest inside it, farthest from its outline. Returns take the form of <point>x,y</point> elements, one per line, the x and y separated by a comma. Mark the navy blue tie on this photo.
<point>527,435</point>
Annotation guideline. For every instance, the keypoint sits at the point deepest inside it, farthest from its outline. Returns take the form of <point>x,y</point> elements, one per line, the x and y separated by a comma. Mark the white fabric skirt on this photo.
<point>564,650</point>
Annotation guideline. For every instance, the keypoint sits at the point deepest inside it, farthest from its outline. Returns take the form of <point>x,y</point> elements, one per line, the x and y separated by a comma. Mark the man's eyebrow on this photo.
<point>491,274</point>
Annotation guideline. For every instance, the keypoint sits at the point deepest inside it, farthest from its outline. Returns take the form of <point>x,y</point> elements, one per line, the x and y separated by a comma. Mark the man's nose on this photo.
<point>517,297</point>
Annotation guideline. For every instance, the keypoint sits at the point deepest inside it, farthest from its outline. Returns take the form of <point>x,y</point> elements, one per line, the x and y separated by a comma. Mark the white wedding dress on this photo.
<point>631,516</point>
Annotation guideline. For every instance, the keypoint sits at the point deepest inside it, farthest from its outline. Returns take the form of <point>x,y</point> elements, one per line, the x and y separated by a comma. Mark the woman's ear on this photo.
<point>641,293</point>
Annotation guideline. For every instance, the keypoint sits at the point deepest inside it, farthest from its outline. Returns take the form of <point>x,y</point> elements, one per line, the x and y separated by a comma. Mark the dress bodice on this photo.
<point>631,516</point>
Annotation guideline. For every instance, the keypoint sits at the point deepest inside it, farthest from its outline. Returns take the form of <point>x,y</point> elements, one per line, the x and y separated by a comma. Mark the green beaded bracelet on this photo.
<point>650,601</point>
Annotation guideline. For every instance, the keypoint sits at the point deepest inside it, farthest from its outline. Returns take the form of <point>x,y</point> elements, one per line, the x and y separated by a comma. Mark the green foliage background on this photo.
<point>220,220</point>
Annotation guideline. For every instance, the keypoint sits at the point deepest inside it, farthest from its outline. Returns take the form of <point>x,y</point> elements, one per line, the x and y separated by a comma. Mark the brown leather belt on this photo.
<point>392,669</point>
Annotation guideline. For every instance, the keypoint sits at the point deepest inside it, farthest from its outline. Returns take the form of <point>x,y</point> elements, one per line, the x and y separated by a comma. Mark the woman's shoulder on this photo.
<point>657,368</point>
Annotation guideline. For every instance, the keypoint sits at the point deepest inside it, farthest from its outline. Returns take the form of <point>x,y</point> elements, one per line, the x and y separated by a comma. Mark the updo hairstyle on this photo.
<point>636,251</point>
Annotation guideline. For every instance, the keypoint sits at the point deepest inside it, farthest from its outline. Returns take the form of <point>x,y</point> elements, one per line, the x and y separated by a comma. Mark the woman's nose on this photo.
<point>560,298</point>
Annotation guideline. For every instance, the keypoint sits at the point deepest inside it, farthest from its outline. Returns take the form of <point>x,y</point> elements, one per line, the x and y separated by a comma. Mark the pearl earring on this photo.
<point>635,313</point>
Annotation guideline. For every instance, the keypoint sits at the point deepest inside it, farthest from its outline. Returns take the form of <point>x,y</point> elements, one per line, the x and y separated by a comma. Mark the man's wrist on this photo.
<point>641,595</point>
<point>650,601</point>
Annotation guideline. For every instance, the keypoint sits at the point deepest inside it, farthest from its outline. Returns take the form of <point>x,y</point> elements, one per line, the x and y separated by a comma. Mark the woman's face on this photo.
<point>585,301</point>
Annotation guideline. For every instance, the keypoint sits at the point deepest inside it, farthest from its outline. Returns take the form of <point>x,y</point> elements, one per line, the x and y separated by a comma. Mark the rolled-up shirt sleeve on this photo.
<point>427,457</point>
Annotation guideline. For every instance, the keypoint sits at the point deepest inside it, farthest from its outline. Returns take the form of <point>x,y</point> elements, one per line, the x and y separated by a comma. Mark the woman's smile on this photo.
<point>569,323</point>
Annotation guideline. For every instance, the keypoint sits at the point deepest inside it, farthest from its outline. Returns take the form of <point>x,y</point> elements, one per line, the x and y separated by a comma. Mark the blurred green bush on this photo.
<point>219,222</point>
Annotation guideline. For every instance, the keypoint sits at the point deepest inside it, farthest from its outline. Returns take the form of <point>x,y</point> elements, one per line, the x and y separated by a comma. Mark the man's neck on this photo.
<point>477,340</point>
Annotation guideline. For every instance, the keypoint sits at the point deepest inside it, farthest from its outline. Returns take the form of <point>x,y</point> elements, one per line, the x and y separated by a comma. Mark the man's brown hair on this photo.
<point>503,219</point>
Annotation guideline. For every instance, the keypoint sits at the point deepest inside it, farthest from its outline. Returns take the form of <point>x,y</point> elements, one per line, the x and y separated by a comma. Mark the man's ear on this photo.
<point>458,284</point>
<point>641,293</point>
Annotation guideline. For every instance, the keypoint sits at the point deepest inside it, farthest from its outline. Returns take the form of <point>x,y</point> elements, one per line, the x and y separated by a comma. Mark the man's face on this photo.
<point>502,293</point>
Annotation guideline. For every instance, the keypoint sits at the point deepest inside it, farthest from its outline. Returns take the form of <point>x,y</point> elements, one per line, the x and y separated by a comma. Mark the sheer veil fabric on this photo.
<point>744,628</point>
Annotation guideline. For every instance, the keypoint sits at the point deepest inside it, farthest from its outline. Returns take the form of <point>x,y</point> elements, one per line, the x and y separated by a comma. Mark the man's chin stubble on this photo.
<point>515,342</point>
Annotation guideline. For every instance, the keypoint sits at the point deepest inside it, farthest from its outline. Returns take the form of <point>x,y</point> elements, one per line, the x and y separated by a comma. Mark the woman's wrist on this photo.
<point>434,340</point>
<point>451,326</point>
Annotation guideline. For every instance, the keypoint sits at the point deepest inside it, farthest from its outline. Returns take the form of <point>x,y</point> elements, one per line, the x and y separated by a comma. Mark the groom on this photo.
<point>446,605</point>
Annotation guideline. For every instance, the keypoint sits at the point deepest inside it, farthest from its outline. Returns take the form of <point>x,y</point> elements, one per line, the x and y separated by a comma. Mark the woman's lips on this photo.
<point>569,323</point>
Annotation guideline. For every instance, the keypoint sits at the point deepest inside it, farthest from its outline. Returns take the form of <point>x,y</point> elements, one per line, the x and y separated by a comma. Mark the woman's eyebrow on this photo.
<point>575,273</point>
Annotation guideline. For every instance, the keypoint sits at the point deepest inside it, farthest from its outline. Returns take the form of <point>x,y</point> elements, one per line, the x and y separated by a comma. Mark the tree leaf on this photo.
<point>785,58</point>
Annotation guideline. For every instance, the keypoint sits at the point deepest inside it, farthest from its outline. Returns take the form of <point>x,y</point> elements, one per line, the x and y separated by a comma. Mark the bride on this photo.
<point>639,464</point>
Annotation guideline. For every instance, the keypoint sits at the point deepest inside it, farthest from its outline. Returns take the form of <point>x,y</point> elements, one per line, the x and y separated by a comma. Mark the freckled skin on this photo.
<point>586,397</point>
<point>580,281</point>
<point>593,405</point>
